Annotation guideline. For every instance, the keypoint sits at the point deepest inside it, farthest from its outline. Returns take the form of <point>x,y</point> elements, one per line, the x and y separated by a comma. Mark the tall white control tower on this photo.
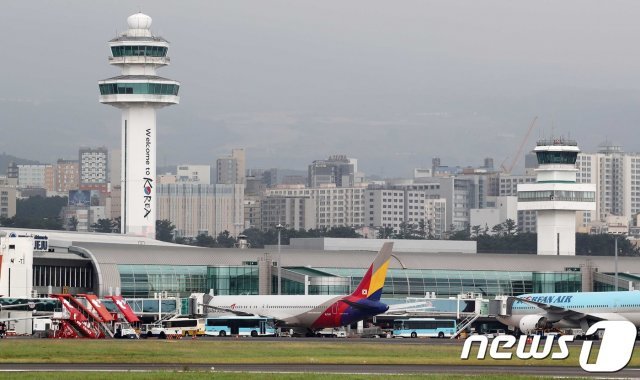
<point>138,92</point>
<point>556,196</point>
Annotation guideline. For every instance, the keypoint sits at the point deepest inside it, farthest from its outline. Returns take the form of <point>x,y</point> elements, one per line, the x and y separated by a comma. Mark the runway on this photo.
<point>320,368</point>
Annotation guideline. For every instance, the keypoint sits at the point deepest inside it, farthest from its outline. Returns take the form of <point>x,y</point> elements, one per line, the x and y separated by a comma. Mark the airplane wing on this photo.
<point>23,318</point>
<point>556,313</point>
<point>232,311</point>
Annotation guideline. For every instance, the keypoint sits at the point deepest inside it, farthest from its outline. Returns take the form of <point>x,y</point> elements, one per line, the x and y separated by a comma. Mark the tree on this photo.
<point>340,232</point>
<point>164,230</point>
<point>103,226</point>
<point>225,240</point>
<point>498,229</point>
<point>475,232</point>
<point>385,232</point>
<point>422,230</point>
<point>117,225</point>
<point>430,234</point>
<point>73,223</point>
<point>510,227</point>
<point>205,240</point>
<point>39,207</point>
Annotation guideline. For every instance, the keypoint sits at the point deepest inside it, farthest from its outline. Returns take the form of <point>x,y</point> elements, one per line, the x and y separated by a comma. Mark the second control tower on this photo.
<point>556,196</point>
<point>138,92</point>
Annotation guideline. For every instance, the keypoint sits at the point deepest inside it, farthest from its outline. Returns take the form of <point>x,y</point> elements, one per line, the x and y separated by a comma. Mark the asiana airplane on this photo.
<point>315,312</point>
<point>531,312</point>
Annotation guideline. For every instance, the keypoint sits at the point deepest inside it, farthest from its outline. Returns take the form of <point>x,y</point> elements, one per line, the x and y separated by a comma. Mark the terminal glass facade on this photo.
<point>232,280</point>
<point>139,50</point>
<point>445,283</point>
<point>557,282</point>
<point>139,88</point>
<point>142,281</point>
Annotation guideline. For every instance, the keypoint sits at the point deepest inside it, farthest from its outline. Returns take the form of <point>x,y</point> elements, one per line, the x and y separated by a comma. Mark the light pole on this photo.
<point>279,227</point>
<point>615,247</point>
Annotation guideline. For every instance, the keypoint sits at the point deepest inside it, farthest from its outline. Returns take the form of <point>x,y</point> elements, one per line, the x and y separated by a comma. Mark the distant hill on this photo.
<point>5,159</point>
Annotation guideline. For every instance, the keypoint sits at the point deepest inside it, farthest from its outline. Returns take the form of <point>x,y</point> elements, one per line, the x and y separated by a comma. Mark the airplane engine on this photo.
<point>529,323</point>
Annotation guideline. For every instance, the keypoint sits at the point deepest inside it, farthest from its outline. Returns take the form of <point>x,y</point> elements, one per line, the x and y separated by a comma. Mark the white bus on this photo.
<point>424,327</point>
<point>241,326</point>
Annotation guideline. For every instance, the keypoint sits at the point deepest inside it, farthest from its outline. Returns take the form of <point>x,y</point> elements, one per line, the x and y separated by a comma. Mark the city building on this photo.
<point>13,173</point>
<point>231,169</point>
<point>202,209</point>
<point>337,170</point>
<point>94,169</point>
<point>504,208</point>
<point>556,196</point>
<point>66,176</point>
<point>616,175</point>
<point>7,199</point>
<point>252,211</point>
<point>418,204</point>
<point>292,212</point>
<point>138,92</point>
<point>506,185</point>
<point>40,176</point>
<point>199,174</point>
<point>335,206</point>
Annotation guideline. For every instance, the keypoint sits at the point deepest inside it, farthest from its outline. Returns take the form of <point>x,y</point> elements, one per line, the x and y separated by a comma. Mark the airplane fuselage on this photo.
<point>310,311</point>
<point>623,305</point>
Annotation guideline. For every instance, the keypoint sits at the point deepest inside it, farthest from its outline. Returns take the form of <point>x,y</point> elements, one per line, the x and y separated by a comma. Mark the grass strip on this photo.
<point>239,351</point>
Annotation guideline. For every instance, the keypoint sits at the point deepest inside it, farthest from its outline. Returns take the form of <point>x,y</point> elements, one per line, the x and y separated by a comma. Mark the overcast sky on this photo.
<point>392,83</point>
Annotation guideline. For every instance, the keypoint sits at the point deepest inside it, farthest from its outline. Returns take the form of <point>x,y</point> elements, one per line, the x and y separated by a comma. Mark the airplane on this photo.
<point>315,312</point>
<point>530,312</point>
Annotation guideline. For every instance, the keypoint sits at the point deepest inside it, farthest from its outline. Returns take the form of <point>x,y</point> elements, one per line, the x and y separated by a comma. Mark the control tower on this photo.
<point>138,92</point>
<point>556,196</point>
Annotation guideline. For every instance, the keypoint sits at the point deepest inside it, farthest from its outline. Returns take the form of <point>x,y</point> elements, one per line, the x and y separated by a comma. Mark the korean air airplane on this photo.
<point>570,310</point>
<point>315,312</point>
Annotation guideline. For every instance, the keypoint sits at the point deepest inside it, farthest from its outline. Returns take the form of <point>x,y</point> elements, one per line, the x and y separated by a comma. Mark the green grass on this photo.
<point>241,376</point>
<point>252,351</point>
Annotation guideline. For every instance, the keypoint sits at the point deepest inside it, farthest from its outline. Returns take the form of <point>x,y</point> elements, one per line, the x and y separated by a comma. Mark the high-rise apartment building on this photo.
<point>616,175</point>
<point>391,206</point>
<point>335,206</point>
<point>231,169</point>
<point>94,169</point>
<point>197,208</point>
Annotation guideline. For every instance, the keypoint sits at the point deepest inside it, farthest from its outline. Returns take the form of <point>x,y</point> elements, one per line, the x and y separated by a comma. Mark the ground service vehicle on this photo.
<point>239,325</point>
<point>424,327</point>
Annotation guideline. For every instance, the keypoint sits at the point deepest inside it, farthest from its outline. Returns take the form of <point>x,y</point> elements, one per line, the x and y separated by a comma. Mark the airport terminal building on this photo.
<point>138,268</point>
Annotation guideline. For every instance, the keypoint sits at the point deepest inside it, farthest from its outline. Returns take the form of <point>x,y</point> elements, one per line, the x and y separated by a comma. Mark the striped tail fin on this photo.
<point>371,285</point>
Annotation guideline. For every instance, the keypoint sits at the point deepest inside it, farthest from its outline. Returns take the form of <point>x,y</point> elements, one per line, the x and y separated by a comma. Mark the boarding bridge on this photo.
<point>466,308</point>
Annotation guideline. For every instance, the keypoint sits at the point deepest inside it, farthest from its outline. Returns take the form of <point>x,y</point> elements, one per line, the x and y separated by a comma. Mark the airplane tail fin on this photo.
<point>371,285</point>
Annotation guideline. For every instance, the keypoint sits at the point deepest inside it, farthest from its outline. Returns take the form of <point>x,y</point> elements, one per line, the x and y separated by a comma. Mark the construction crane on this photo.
<point>516,158</point>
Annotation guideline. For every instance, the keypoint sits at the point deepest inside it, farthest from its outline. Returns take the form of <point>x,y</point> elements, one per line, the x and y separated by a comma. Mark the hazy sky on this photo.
<point>392,83</point>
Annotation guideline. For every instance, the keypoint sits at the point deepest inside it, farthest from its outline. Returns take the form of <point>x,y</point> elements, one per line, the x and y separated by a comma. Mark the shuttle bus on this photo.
<point>239,325</point>
<point>188,326</point>
<point>424,327</point>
